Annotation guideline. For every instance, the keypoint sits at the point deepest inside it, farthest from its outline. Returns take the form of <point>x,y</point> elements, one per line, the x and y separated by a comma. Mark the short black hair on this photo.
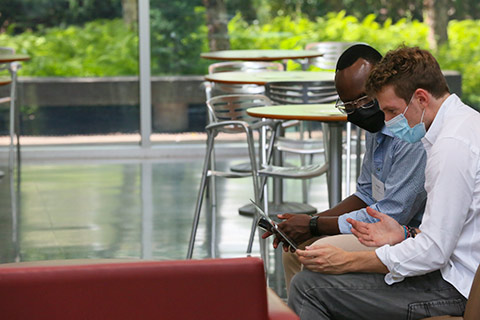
<point>356,52</point>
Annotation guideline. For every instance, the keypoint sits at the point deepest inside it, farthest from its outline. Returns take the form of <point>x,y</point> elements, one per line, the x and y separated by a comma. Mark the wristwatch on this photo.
<point>313,226</point>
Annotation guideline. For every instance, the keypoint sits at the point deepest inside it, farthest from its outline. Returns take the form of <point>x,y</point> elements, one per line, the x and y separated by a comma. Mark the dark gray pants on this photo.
<point>366,296</point>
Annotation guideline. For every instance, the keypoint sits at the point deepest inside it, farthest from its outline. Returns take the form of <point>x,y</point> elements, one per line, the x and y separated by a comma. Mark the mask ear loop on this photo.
<point>408,104</point>
<point>423,113</point>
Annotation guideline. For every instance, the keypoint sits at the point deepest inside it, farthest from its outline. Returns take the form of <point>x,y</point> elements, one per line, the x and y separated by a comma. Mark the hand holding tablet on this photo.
<point>269,225</point>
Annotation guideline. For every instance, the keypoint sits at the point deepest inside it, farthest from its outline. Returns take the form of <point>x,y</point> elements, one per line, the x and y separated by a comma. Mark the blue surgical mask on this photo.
<point>400,128</point>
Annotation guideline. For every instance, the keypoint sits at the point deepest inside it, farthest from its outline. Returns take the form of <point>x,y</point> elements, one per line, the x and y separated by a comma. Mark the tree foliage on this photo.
<point>383,10</point>
<point>20,15</point>
<point>178,36</point>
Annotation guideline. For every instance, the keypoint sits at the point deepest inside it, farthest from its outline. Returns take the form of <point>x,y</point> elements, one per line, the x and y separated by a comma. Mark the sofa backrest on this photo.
<point>187,289</point>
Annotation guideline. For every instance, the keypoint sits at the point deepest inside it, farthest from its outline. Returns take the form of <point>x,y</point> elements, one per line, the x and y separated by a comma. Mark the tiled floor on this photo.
<point>125,209</point>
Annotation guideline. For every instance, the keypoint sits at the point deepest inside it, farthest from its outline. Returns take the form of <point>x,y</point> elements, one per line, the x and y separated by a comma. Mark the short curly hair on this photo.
<point>407,69</point>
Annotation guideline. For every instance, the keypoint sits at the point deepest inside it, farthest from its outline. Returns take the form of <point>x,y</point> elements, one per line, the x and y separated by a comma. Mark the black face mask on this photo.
<point>371,119</point>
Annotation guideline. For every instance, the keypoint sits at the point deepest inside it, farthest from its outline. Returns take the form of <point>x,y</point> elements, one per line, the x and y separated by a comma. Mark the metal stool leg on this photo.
<point>256,190</point>
<point>348,158</point>
<point>211,196</point>
<point>358,160</point>
<point>201,191</point>
<point>13,73</point>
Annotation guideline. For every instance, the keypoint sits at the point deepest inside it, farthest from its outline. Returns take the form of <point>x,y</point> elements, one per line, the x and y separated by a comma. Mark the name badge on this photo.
<point>378,188</point>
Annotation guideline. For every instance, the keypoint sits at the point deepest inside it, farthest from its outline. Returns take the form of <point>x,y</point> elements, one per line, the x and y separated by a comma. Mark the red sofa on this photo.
<point>187,289</point>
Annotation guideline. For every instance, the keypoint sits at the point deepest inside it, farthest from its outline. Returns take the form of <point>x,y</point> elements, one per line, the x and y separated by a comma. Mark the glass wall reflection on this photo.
<point>82,75</point>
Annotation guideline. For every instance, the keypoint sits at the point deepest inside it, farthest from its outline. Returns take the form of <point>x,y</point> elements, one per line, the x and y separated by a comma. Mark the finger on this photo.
<point>358,225</point>
<point>316,246</point>
<point>285,215</point>
<point>356,233</point>
<point>300,253</point>
<point>275,242</point>
<point>305,261</point>
<point>310,263</point>
<point>310,251</point>
<point>364,234</point>
<point>266,234</point>
<point>368,243</point>
<point>375,214</point>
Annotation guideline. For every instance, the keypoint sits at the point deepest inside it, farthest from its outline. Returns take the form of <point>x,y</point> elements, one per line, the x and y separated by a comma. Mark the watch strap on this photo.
<point>313,226</point>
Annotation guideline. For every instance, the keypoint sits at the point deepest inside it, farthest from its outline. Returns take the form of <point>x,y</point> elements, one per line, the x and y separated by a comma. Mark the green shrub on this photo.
<point>463,54</point>
<point>100,48</point>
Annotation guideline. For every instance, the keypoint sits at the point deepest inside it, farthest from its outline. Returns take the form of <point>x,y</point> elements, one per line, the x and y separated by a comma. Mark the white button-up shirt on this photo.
<point>450,237</point>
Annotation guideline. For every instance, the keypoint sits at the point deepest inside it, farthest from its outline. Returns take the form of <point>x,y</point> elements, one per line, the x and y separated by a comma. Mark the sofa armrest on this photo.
<point>277,309</point>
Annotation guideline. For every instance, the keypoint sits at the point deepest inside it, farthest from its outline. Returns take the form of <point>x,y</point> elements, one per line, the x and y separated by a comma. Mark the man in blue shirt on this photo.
<point>393,171</point>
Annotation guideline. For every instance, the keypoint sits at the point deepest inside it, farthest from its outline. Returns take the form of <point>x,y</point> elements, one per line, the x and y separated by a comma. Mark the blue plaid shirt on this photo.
<point>401,167</point>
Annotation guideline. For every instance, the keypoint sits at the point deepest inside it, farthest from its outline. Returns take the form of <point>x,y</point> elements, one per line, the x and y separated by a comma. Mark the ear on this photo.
<point>423,96</point>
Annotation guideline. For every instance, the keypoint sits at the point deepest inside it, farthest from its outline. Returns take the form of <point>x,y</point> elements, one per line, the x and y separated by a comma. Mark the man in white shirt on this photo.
<point>429,270</point>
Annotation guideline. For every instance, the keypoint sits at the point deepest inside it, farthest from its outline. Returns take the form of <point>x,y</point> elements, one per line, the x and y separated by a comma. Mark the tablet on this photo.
<point>267,224</point>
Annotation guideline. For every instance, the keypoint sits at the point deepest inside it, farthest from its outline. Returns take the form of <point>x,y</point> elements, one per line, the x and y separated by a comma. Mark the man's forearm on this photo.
<point>327,225</point>
<point>365,261</point>
<point>348,204</point>
<point>327,221</point>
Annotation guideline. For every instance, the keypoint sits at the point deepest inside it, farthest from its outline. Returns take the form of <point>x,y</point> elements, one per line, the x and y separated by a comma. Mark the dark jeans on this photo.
<point>366,296</point>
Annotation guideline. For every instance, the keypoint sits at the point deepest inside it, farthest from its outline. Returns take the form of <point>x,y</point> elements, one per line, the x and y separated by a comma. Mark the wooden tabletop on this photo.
<point>4,81</point>
<point>260,78</point>
<point>7,58</point>
<point>260,55</point>
<point>312,112</point>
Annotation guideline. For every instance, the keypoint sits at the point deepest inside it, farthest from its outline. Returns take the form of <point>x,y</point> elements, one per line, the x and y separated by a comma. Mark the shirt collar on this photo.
<point>385,131</point>
<point>380,135</point>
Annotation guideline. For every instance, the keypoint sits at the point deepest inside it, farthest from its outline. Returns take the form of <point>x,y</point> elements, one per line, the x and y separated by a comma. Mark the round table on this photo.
<point>329,115</point>
<point>7,58</point>
<point>260,55</point>
<point>260,78</point>
<point>4,81</point>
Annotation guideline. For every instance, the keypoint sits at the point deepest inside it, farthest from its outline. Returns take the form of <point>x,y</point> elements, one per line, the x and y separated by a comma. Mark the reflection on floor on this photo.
<point>132,209</point>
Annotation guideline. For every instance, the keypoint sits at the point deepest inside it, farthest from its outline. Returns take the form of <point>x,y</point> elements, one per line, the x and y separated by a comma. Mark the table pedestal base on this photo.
<point>285,207</point>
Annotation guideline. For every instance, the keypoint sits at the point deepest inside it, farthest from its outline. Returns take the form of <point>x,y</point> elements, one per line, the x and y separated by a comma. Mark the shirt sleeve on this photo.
<point>450,184</point>
<point>404,186</point>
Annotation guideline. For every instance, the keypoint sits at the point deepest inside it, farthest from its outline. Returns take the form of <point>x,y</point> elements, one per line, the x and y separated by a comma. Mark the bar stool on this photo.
<point>229,116</point>
<point>12,68</point>
<point>215,89</point>
<point>301,92</point>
